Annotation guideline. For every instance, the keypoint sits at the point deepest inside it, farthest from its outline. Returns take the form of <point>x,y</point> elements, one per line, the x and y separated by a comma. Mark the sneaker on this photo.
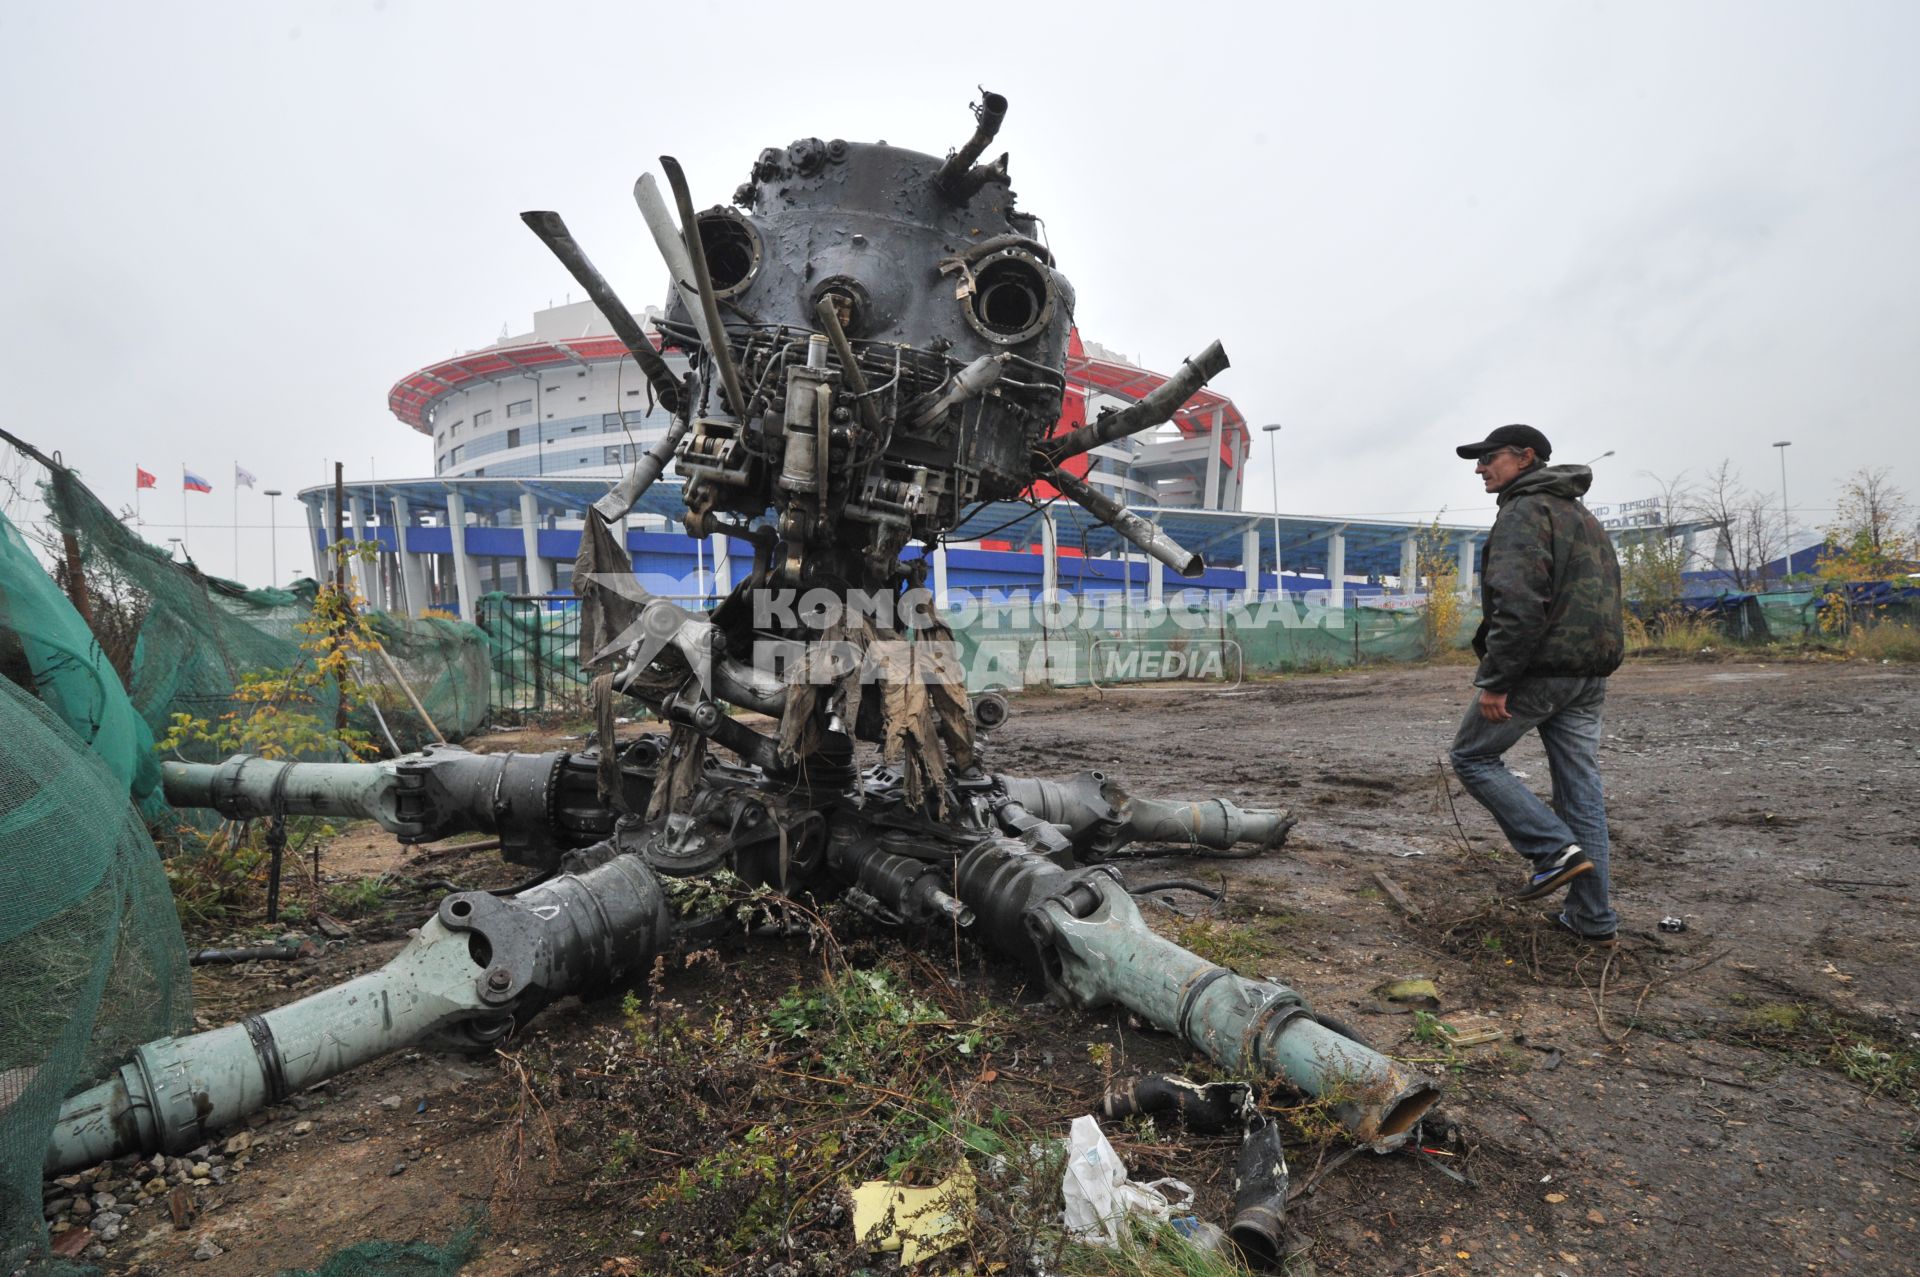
<point>1558,920</point>
<point>1550,873</point>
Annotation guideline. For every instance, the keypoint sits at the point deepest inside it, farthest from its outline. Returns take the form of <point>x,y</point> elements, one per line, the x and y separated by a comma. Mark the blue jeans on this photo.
<point>1566,711</point>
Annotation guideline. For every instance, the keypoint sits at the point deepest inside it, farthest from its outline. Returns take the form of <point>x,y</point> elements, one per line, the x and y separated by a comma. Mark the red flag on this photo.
<point>141,479</point>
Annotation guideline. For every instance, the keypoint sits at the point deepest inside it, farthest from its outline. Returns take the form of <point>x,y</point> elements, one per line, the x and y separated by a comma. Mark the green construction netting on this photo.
<point>47,648</point>
<point>1013,645</point>
<point>401,1259</point>
<point>181,640</point>
<point>91,960</point>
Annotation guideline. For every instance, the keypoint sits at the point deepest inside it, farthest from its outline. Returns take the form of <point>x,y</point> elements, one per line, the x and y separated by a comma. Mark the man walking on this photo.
<point>1549,637</point>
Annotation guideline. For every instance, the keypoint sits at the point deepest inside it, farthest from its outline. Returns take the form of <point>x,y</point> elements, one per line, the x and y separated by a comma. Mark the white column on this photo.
<point>722,565</point>
<point>1336,569</point>
<point>326,535</point>
<point>1049,556</point>
<point>317,537</point>
<point>1410,565</point>
<point>362,567</point>
<point>1211,499</point>
<point>538,577</point>
<point>466,582</point>
<point>1466,568</point>
<point>940,574</point>
<point>1722,549</point>
<point>1687,550</point>
<point>1239,469</point>
<point>1156,581</point>
<point>1250,561</point>
<point>413,582</point>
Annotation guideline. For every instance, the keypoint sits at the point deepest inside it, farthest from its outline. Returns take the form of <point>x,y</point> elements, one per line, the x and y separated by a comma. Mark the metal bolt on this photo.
<point>499,979</point>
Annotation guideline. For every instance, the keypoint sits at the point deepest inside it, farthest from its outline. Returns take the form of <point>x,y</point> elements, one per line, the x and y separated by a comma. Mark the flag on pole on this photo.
<point>141,479</point>
<point>191,482</point>
<point>242,477</point>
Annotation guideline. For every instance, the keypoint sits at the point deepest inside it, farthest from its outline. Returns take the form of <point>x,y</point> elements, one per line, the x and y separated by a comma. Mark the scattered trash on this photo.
<point>1475,1037</point>
<point>1673,923</point>
<point>1410,994</point>
<point>1099,1195</point>
<point>1408,855</point>
<point>1200,1234</point>
<point>917,1222</point>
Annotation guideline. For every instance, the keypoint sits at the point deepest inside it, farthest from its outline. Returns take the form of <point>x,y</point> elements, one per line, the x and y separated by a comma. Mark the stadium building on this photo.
<point>528,431</point>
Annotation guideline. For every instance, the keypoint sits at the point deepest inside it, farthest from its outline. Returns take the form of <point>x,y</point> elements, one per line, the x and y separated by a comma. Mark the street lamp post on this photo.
<point>1603,456</point>
<point>1786,514</point>
<point>273,539</point>
<point>1273,473</point>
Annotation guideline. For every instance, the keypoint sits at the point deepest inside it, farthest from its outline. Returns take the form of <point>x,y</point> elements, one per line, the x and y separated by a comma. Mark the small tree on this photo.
<point>275,714</point>
<point>1439,566</point>
<point>1872,538</point>
<point>1750,533</point>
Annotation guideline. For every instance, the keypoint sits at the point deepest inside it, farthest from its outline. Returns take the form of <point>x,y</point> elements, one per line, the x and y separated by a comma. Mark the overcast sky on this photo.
<point>1677,231</point>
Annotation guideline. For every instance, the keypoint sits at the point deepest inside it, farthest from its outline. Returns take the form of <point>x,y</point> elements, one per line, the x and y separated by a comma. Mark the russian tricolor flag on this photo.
<point>192,482</point>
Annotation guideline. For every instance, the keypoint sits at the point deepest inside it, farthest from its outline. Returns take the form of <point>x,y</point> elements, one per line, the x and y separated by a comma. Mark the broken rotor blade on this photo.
<point>673,249</point>
<point>1142,533</point>
<point>553,232</point>
<point>703,280</point>
<point>1144,413</point>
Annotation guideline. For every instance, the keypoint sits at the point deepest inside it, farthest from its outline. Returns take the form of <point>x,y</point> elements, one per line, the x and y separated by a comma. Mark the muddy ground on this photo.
<point>1741,1100</point>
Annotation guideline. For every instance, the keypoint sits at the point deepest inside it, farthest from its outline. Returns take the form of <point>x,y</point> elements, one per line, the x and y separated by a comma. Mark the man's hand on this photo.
<point>1493,707</point>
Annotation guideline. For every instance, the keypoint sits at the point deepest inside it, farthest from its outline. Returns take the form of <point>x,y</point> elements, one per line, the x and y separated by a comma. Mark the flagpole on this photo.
<point>236,520</point>
<point>184,520</point>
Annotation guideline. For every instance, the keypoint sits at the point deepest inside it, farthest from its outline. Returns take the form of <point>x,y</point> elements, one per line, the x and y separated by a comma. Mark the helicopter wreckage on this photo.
<point>876,341</point>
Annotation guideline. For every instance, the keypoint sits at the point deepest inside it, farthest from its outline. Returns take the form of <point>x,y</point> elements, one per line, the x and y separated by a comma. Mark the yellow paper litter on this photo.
<point>917,1222</point>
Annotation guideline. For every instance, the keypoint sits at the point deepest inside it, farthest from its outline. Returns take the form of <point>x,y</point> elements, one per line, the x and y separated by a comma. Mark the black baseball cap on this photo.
<point>1509,437</point>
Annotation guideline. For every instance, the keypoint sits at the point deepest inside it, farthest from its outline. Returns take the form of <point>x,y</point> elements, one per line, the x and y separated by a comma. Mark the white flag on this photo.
<point>242,477</point>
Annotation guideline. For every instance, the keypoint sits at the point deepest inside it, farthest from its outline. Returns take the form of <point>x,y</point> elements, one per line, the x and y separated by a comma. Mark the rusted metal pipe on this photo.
<point>1139,531</point>
<point>856,380</point>
<point>951,179</point>
<point>1143,414</point>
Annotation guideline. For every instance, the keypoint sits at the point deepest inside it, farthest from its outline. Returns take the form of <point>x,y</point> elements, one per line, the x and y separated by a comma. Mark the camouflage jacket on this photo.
<point>1549,586</point>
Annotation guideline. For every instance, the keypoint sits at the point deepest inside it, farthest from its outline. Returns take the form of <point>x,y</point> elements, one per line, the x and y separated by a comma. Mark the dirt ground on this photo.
<point>1740,1100</point>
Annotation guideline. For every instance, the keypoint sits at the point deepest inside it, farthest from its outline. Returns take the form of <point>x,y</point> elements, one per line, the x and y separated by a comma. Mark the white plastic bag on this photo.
<point>1099,1195</point>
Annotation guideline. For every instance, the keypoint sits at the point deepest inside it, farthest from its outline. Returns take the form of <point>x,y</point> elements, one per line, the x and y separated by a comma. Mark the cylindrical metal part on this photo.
<point>856,381</point>
<point>481,964</point>
<point>1260,1195</point>
<point>1213,822</point>
<point>245,786</point>
<point>1087,937</point>
<point>176,1092</point>
<point>1144,413</point>
<point>1102,817</point>
<point>1256,1027</point>
<point>621,498</point>
<point>1141,532</point>
<point>993,110</point>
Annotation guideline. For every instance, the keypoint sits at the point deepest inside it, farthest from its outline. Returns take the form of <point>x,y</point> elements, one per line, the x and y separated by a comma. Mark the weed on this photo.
<point>1431,1029</point>
<point>1886,641</point>
<point>1221,943</point>
<point>362,895</point>
<point>1820,1037</point>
